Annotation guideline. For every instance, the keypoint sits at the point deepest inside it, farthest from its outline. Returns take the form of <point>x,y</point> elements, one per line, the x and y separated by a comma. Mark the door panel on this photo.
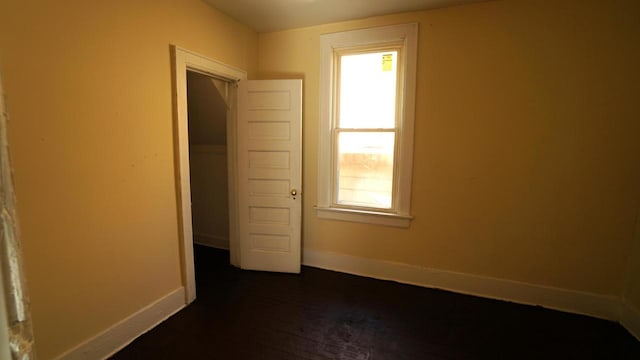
<point>269,169</point>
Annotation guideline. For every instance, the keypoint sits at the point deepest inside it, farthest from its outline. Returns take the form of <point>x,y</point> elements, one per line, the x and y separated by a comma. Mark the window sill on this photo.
<point>367,217</point>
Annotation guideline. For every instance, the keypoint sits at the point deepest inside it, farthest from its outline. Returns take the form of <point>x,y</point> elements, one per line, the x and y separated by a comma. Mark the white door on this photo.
<point>269,174</point>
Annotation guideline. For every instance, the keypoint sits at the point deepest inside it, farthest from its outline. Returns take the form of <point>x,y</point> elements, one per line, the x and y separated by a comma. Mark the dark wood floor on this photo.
<point>321,314</point>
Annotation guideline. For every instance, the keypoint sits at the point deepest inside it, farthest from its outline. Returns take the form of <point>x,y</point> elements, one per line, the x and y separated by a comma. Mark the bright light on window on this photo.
<point>365,169</point>
<point>368,90</point>
<point>367,101</point>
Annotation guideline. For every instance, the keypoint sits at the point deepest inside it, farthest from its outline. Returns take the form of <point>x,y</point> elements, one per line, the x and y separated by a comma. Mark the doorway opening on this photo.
<point>207,113</point>
<point>264,162</point>
<point>207,106</point>
<point>184,63</point>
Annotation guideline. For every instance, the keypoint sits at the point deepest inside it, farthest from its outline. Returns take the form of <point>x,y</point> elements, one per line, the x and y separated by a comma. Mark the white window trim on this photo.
<point>408,35</point>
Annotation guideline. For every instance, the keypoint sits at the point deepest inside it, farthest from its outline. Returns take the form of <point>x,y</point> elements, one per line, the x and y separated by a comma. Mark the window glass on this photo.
<point>368,90</point>
<point>365,169</point>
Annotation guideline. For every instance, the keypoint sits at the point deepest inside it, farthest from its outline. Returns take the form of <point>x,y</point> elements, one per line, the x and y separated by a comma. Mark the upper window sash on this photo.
<point>395,47</point>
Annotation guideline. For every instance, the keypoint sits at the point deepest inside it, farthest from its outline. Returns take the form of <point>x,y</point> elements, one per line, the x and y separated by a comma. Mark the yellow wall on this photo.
<point>88,87</point>
<point>526,141</point>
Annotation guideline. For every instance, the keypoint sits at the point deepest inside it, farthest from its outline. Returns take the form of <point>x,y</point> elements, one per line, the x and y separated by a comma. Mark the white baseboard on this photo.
<point>630,319</point>
<point>604,307</point>
<point>124,332</point>
<point>211,241</point>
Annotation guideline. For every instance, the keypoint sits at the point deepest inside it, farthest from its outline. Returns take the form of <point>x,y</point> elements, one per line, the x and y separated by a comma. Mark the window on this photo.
<point>365,150</point>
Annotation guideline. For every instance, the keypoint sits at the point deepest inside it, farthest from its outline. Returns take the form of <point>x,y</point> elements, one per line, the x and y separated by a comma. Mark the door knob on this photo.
<point>294,192</point>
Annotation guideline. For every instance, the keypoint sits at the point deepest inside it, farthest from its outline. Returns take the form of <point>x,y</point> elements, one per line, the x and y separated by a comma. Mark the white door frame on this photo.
<point>15,315</point>
<point>183,60</point>
<point>4,324</point>
<point>4,319</point>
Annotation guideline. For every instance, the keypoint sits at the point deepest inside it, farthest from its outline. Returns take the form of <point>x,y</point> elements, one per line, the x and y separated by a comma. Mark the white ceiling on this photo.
<point>273,15</point>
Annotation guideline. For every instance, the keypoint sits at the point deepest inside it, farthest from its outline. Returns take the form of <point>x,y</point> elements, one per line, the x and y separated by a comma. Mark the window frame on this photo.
<point>331,46</point>
<point>336,129</point>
